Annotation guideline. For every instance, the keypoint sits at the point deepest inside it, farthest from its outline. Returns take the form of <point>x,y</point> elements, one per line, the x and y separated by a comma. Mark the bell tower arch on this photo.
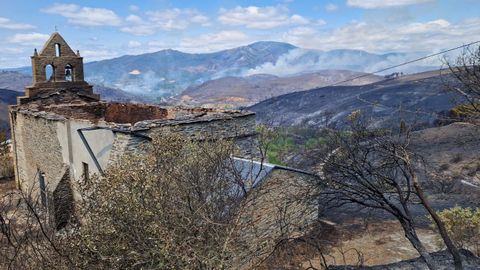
<point>57,67</point>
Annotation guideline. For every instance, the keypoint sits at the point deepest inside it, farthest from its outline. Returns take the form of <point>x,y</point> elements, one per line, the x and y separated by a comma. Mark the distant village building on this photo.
<point>62,132</point>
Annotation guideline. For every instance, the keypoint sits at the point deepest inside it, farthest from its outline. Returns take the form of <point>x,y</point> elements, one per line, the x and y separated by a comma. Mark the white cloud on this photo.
<point>378,37</point>
<point>133,8</point>
<point>302,31</point>
<point>372,4</point>
<point>85,16</point>
<point>320,22</point>
<point>95,55</point>
<point>134,44</point>
<point>331,7</point>
<point>214,41</point>
<point>138,26</point>
<point>164,20</point>
<point>429,27</point>
<point>13,50</point>
<point>260,17</point>
<point>6,23</point>
<point>29,39</point>
<point>172,19</point>
<point>200,19</point>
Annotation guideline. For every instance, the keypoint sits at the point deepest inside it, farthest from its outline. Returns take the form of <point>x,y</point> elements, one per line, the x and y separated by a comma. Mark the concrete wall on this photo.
<point>100,141</point>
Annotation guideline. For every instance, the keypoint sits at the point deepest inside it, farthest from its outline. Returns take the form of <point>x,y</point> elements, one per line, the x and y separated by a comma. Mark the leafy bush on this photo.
<point>282,144</point>
<point>463,226</point>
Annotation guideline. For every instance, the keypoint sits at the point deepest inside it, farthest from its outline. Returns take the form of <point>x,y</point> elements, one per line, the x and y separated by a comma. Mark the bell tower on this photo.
<point>57,67</point>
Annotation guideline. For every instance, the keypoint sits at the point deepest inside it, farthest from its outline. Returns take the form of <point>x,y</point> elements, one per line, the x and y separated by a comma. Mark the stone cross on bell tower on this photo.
<point>57,67</point>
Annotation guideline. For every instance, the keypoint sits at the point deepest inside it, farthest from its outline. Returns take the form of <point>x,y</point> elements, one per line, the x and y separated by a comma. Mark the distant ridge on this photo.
<point>416,99</point>
<point>246,91</point>
<point>7,97</point>
<point>167,73</point>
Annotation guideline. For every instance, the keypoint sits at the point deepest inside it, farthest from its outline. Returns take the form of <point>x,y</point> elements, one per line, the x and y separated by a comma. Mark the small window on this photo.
<point>68,73</point>
<point>43,188</point>
<point>86,172</point>
<point>57,50</point>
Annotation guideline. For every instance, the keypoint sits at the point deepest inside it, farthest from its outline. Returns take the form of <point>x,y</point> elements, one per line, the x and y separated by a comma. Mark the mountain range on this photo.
<point>167,73</point>
<point>277,76</point>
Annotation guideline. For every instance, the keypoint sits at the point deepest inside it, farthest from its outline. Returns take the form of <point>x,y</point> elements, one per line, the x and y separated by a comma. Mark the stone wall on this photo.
<point>277,209</point>
<point>239,129</point>
<point>125,143</point>
<point>66,59</point>
<point>58,64</point>
<point>37,149</point>
<point>121,113</point>
<point>48,56</point>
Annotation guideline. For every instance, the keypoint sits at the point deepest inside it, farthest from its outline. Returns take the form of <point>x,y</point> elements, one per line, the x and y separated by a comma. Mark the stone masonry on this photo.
<point>66,68</point>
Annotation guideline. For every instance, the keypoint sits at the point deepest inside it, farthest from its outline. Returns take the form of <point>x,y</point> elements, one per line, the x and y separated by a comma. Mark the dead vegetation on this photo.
<point>6,162</point>
<point>179,205</point>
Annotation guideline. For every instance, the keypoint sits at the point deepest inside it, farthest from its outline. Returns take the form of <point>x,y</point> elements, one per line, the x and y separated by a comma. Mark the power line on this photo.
<point>402,64</point>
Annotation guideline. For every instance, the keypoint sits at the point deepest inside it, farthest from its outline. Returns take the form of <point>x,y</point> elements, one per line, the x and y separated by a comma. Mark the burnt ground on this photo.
<point>451,151</point>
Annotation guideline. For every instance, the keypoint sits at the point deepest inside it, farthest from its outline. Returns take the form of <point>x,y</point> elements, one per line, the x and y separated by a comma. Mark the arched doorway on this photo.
<point>49,73</point>
<point>69,73</point>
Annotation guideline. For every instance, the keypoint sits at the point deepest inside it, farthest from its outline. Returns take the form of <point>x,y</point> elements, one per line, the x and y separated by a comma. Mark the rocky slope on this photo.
<point>417,98</point>
<point>7,97</point>
<point>245,91</point>
<point>15,81</point>
<point>167,72</point>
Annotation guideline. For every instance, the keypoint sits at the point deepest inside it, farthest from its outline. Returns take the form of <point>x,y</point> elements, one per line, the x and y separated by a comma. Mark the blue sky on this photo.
<point>110,28</point>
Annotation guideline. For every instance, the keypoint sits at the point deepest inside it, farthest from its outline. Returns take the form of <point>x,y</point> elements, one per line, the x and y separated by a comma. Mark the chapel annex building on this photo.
<point>62,133</point>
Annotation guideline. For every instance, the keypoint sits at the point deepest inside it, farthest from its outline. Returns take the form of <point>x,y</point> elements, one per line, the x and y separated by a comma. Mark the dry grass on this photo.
<point>379,243</point>
<point>354,242</point>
